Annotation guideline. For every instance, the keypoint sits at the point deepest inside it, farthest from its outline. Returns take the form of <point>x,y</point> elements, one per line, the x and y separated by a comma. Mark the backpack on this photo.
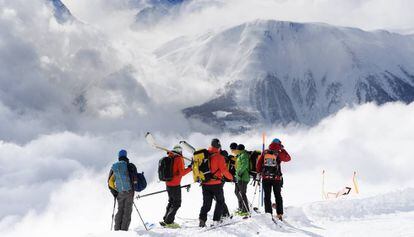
<point>165,168</point>
<point>122,178</point>
<point>253,155</point>
<point>201,166</point>
<point>271,165</point>
<point>231,164</point>
<point>139,183</point>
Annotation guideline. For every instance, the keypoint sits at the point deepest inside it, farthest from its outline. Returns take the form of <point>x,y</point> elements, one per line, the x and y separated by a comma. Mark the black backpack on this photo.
<point>139,183</point>
<point>271,164</point>
<point>165,169</point>
<point>253,157</point>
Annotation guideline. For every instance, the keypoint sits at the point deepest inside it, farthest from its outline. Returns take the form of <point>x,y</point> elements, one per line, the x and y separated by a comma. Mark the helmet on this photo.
<point>276,140</point>
<point>215,143</point>
<point>177,149</point>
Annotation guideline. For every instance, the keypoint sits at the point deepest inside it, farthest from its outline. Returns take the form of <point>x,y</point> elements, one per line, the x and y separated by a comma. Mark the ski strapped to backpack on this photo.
<point>151,141</point>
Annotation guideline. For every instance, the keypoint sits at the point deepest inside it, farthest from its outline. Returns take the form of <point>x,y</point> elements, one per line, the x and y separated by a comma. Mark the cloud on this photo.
<point>65,174</point>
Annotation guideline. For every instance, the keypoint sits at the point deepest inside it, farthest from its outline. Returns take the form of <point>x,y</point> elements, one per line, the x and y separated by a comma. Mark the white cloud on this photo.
<point>65,174</point>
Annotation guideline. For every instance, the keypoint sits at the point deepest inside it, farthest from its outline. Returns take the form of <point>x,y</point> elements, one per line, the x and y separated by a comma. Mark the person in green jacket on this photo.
<point>243,178</point>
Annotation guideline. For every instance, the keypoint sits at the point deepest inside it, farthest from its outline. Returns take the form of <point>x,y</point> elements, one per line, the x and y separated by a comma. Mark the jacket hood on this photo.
<point>275,146</point>
<point>214,150</point>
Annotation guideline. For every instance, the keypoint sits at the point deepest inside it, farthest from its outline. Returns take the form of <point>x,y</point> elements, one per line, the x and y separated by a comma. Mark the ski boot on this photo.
<point>202,223</point>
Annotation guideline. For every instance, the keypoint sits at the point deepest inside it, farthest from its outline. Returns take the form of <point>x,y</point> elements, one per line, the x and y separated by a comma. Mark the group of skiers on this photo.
<point>215,167</point>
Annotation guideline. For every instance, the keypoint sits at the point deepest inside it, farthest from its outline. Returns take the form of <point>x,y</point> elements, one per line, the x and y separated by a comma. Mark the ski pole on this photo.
<point>139,214</point>
<point>263,148</point>
<point>113,213</point>
<point>162,191</point>
<point>256,184</point>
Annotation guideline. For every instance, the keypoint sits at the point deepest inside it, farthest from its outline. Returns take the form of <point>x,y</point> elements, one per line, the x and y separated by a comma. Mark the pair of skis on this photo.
<point>151,141</point>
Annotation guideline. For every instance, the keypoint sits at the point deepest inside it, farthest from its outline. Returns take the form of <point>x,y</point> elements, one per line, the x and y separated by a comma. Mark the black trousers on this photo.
<point>210,192</point>
<point>174,203</point>
<point>276,185</point>
<point>240,191</point>
<point>123,215</point>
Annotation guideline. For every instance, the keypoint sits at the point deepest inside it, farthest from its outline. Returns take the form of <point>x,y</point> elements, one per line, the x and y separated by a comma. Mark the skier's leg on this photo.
<point>219,195</point>
<point>243,191</point>
<point>120,213</point>
<point>126,219</point>
<point>207,201</point>
<point>267,189</point>
<point>239,197</point>
<point>277,189</point>
<point>175,204</point>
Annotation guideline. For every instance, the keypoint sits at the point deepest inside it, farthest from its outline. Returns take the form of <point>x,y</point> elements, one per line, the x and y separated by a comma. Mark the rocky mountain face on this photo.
<point>276,72</point>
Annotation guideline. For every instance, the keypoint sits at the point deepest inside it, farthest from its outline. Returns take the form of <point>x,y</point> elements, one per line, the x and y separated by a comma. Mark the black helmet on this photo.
<point>215,143</point>
<point>233,146</point>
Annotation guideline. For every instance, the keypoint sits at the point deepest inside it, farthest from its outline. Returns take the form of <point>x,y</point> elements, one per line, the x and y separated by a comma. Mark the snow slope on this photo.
<point>276,72</point>
<point>389,214</point>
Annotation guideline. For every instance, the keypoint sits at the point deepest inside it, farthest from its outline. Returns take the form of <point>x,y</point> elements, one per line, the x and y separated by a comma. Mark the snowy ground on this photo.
<point>389,214</point>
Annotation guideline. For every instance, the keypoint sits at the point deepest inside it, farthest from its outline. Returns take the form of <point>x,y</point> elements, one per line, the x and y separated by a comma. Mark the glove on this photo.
<point>114,192</point>
<point>234,179</point>
<point>191,164</point>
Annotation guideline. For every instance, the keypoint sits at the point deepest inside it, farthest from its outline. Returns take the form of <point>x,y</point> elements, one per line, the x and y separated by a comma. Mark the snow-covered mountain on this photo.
<point>154,11</point>
<point>280,72</point>
<point>61,12</point>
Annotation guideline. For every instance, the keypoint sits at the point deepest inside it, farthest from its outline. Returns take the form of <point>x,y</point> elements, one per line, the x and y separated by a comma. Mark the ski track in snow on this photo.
<point>390,214</point>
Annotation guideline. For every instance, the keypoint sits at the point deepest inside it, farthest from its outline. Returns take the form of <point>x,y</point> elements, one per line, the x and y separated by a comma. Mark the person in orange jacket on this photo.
<point>269,167</point>
<point>174,187</point>
<point>213,188</point>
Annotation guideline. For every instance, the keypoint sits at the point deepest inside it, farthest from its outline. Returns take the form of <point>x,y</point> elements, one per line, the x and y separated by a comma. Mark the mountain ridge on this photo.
<point>280,72</point>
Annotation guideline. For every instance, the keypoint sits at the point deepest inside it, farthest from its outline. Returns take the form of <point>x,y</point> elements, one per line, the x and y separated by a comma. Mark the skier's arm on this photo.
<point>181,171</point>
<point>284,156</point>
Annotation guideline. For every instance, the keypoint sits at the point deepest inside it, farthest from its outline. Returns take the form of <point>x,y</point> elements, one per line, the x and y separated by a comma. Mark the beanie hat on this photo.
<point>233,146</point>
<point>215,143</point>
<point>240,147</point>
<point>122,153</point>
<point>177,149</point>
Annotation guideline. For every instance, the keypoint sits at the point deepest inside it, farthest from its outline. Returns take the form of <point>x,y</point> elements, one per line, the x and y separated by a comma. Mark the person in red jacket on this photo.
<point>268,166</point>
<point>213,188</point>
<point>174,187</point>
